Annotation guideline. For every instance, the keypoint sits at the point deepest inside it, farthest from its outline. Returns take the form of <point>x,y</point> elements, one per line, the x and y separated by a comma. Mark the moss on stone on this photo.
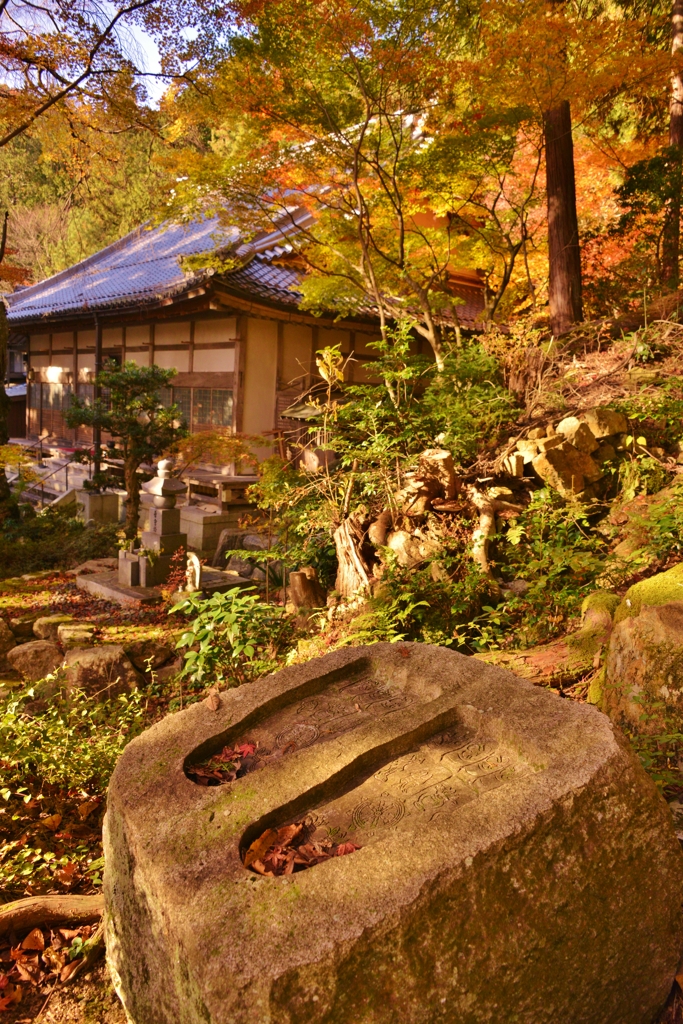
<point>660,589</point>
<point>595,688</point>
<point>600,600</point>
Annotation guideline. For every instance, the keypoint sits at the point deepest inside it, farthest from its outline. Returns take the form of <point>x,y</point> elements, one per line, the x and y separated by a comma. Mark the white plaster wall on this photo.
<point>260,374</point>
<point>216,360</point>
<point>112,337</point>
<point>296,353</point>
<point>171,334</point>
<point>330,336</point>
<point>137,338</point>
<point>64,339</point>
<point>172,359</point>
<point>40,341</point>
<point>206,331</point>
<point>38,361</point>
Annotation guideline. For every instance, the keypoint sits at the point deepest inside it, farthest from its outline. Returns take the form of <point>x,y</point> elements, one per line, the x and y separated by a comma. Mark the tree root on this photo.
<point>23,915</point>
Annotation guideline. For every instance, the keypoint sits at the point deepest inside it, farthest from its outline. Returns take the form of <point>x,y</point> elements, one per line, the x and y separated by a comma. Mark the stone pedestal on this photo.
<point>501,854</point>
<point>162,538</point>
<point>102,508</point>
<point>203,529</point>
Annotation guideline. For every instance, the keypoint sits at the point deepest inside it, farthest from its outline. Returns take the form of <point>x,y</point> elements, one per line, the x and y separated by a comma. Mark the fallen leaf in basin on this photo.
<point>34,940</point>
<point>260,847</point>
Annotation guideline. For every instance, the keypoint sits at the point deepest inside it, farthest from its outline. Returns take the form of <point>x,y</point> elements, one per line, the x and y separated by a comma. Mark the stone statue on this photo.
<point>194,572</point>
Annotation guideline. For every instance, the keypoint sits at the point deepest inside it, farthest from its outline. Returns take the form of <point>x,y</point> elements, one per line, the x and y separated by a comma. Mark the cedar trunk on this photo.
<point>672,212</point>
<point>564,254</point>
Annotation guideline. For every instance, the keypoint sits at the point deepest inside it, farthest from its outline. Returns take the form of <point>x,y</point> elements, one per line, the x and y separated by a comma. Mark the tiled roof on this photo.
<point>141,267</point>
<point>144,267</point>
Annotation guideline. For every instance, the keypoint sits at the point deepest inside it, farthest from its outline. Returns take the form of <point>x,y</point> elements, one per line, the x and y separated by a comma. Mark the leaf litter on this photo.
<point>44,958</point>
<point>285,850</point>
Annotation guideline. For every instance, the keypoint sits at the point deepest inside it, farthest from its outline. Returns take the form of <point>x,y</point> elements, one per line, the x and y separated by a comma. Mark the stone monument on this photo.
<point>506,856</point>
<point>163,537</point>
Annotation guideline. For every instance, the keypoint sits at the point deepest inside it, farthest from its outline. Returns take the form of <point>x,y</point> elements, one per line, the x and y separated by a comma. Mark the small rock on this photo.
<point>605,422</point>
<point>75,634</point>
<point>22,628</point>
<point>536,433</point>
<point>47,626</point>
<point>577,433</point>
<point>35,660</point>
<point>149,653</point>
<point>514,464</point>
<point>103,672</point>
<point>546,443</point>
<point>528,449</point>
<point>566,469</point>
<point>168,672</point>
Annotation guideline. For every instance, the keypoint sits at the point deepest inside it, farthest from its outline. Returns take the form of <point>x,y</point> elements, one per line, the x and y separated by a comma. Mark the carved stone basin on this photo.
<point>514,864</point>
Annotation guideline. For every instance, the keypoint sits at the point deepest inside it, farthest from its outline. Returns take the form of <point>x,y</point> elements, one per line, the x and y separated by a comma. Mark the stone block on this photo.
<point>203,528</point>
<point>47,626</point>
<point>75,634</point>
<point>164,520</point>
<point>129,569</point>
<point>102,508</point>
<point>154,572</point>
<point>165,544</point>
<point>514,859</point>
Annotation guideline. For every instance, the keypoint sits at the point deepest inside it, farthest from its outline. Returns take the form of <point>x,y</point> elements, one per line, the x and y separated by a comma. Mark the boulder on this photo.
<point>149,653</point>
<point>103,672</point>
<point>663,588</point>
<point>577,433</point>
<point>642,688</point>
<point>508,857</point>
<point>604,422</point>
<point>242,566</point>
<point>7,641</point>
<point>256,542</point>
<point>566,469</point>
<point>36,659</point>
<point>47,626</point>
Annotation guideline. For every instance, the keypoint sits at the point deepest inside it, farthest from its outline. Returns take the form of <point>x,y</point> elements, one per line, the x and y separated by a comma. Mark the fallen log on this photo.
<point>33,911</point>
<point>565,661</point>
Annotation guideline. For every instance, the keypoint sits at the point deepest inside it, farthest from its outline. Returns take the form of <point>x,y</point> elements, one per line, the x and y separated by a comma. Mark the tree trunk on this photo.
<point>305,590</point>
<point>132,482</point>
<point>352,573</point>
<point>5,492</point>
<point>564,254</point>
<point>672,212</point>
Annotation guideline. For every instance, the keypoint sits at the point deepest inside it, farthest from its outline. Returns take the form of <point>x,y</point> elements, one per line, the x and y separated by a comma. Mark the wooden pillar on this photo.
<point>190,354</point>
<point>151,343</point>
<point>240,360</point>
